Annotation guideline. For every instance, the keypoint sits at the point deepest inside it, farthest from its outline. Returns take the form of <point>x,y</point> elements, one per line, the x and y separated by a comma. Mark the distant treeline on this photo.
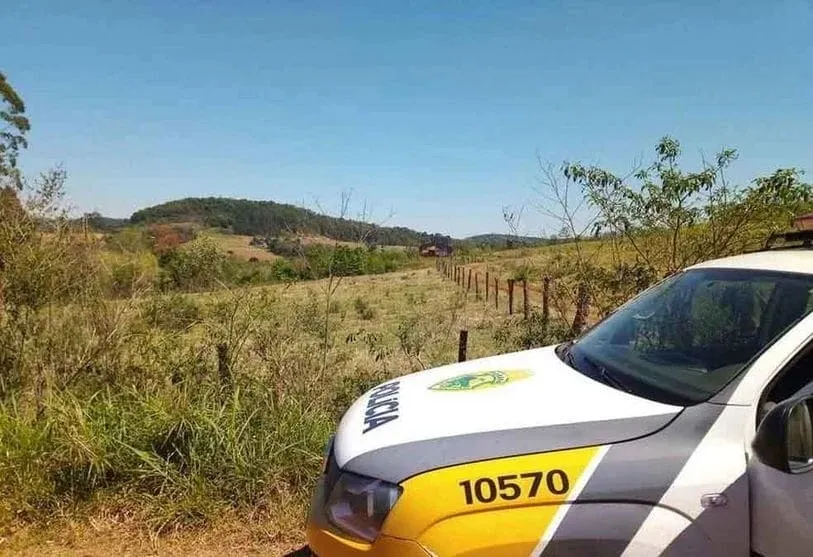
<point>509,241</point>
<point>267,218</point>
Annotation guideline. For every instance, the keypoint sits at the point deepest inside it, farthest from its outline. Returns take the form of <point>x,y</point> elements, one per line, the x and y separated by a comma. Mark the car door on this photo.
<point>781,483</point>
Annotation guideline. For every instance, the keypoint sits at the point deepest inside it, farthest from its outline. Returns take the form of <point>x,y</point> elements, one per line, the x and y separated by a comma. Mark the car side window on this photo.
<point>795,379</point>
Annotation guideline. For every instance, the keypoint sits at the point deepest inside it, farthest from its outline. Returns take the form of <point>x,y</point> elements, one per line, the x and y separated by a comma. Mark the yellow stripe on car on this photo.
<point>491,507</point>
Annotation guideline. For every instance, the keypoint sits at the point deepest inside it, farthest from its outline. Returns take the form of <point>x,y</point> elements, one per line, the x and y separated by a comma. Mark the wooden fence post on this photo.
<point>510,296</point>
<point>545,299</point>
<point>496,293</point>
<point>582,310</point>
<point>486,286</point>
<point>462,345</point>
<point>476,286</point>
<point>525,308</point>
<point>468,286</point>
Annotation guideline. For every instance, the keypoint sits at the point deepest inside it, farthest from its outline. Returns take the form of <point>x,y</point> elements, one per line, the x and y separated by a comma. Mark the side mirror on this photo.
<point>784,439</point>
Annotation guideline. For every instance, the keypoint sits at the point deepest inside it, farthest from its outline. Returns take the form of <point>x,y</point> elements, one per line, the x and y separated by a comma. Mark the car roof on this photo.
<point>787,260</point>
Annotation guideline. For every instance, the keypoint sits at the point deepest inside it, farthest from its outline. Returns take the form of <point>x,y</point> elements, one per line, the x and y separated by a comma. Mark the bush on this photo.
<point>174,312</point>
<point>131,274</point>
<point>195,266</point>
<point>351,387</point>
<point>534,332</point>
<point>363,309</point>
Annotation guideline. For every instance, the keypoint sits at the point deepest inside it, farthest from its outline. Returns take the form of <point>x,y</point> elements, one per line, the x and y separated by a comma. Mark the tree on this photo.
<point>13,127</point>
<point>673,218</point>
<point>666,216</point>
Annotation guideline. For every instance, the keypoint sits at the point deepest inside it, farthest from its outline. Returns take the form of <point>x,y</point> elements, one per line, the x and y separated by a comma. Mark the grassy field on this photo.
<point>240,247</point>
<point>193,423</point>
<point>153,452</point>
<point>141,414</point>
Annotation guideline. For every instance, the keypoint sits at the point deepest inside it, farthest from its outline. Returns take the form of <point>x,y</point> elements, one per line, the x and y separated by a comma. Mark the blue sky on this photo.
<point>432,110</point>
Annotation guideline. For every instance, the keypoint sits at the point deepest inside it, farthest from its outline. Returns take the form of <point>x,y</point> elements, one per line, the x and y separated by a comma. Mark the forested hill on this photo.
<point>267,218</point>
<point>506,240</point>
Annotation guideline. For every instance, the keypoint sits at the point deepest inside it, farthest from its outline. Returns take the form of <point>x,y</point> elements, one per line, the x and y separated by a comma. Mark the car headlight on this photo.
<point>359,505</point>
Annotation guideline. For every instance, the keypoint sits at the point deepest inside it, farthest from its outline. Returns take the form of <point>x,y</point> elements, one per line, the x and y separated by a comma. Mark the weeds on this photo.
<point>363,309</point>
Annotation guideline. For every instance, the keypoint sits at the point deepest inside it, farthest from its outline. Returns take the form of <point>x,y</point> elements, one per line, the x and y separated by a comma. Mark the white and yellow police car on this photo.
<point>680,425</point>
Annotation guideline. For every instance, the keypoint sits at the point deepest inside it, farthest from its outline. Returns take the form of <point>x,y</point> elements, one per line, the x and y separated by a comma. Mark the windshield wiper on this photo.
<point>610,378</point>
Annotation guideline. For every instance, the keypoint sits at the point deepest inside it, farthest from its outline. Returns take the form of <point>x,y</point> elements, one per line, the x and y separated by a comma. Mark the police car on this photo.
<point>679,425</point>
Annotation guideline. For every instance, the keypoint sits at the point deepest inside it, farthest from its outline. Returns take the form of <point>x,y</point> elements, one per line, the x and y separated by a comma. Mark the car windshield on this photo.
<point>683,340</point>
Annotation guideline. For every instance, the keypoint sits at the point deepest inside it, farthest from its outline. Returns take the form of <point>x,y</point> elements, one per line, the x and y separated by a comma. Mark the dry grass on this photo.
<point>316,240</point>
<point>239,247</point>
<point>539,260</point>
<point>405,321</point>
<point>108,535</point>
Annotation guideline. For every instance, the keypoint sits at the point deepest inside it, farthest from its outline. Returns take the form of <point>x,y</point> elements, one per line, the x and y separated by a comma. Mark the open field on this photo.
<point>159,420</point>
<point>240,247</point>
<point>297,357</point>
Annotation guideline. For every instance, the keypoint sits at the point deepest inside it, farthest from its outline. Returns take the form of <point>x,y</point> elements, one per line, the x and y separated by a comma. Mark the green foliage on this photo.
<point>321,261</point>
<point>98,222</point>
<point>523,334</point>
<point>131,239</point>
<point>674,218</point>
<point>351,387</point>
<point>284,246</point>
<point>342,261</point>
<point>198,265</point>
<point>188,452</point>
<point>270,219</point>
<point>173,312</point>
<point>41,267</point>
<point>15,126</point>
<point>504,241</point>
<point>524,271</point>
<point>131,273</point>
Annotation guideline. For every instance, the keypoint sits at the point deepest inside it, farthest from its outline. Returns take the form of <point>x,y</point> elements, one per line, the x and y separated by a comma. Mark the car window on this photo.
<point>686,339</point>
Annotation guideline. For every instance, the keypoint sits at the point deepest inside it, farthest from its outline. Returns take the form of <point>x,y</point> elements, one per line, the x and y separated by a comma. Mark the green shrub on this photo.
<point>351,387</point>
<point>534,332</point>
<point>131,273</point>
<point>197,265</point>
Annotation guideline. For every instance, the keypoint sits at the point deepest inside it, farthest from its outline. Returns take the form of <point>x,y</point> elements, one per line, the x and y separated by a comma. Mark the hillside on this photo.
<point>268,218</point>
<point>506,240</point>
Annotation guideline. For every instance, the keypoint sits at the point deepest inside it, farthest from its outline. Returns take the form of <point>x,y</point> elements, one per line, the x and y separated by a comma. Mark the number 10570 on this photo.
<point>513,486</point>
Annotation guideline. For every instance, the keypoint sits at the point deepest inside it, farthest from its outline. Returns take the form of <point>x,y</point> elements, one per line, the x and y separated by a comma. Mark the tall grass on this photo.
<point>178,456</point>
<point>175,409</point>
<point>111,402</point>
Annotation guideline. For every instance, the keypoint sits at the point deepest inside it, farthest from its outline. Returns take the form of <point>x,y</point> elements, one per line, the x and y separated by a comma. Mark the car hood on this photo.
<point>520,403</point>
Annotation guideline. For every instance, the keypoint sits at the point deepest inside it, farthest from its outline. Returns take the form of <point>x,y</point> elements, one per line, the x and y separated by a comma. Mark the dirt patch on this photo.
<point>105,537</point>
